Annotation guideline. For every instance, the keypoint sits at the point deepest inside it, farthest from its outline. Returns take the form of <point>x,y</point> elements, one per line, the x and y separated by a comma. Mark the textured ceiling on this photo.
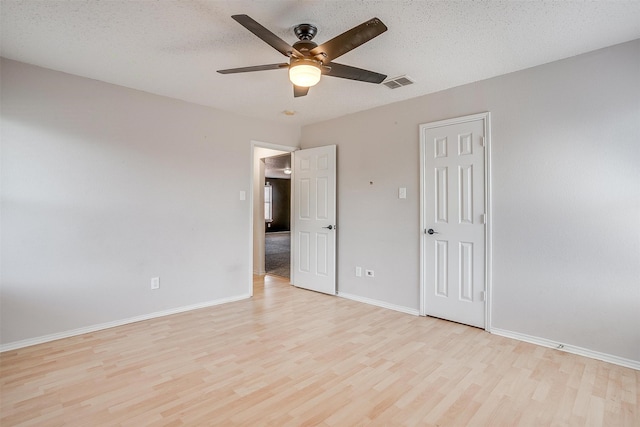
<point>274,166</point>
<point>173,48</point>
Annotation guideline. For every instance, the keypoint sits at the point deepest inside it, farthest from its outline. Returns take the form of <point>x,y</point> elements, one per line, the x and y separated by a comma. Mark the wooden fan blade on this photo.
<point>267,36</point>
<point>349,40</point>
<point>300,91</point>
<point>254,68</point>
<point>352,73</point>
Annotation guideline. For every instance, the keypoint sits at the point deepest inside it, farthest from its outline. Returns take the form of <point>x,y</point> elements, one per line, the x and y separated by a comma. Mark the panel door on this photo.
<point>454,234</point>
<point>314,219</point>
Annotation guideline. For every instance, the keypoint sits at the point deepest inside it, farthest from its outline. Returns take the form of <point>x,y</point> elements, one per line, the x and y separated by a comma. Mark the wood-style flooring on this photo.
<point>290,357</point>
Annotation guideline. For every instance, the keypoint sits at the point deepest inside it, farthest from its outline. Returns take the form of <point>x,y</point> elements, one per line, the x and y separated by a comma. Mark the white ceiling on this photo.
<point>174,48</point>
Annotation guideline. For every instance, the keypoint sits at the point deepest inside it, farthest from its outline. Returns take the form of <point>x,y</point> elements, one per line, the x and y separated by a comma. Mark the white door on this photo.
<point>314,219</point>
<point>453,195</point>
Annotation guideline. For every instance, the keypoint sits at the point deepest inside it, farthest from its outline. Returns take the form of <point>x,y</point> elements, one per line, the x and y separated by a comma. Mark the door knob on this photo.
<point>330,227</point>
<point>432,231</point>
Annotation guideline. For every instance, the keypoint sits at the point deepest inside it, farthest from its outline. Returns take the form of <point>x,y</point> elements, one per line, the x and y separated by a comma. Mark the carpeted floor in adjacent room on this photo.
<point>278,253</point>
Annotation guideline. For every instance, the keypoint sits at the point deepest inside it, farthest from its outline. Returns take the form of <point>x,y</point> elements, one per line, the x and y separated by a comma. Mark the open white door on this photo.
<point>314,219</point>
<point>454,217</point>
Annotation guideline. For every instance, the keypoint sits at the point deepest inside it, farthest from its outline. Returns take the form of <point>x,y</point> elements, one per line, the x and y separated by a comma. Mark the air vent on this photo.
<point>397,82</point>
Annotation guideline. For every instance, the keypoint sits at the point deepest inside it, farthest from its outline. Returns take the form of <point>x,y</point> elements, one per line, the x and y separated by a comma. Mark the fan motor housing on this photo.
<point>304,46</point>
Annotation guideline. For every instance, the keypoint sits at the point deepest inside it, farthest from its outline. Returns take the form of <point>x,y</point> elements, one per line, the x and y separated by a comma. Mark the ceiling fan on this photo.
<point>308,61</point>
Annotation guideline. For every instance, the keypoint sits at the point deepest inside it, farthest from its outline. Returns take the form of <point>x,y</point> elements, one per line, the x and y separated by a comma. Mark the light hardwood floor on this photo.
<point>289,357</point>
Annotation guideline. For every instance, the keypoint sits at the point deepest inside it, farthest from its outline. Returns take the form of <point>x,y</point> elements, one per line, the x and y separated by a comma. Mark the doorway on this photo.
<point>277,215</point>
<point>455,215</point>
<point>313,194</point>
<point>260,151</point>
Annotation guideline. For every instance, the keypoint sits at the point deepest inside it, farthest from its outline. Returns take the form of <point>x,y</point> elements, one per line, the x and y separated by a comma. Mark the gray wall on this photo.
<point>566,197</point>
<point>104,187</point>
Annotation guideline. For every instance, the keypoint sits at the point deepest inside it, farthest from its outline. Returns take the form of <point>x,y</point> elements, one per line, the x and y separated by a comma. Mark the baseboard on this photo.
<point>621,361</point>
<point>382,304</point>
<point>94,328</point>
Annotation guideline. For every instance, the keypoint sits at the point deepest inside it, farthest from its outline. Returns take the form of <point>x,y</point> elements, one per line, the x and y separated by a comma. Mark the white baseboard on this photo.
<point>627,363</point>
<point>382,304</point>
<point>52,337</point>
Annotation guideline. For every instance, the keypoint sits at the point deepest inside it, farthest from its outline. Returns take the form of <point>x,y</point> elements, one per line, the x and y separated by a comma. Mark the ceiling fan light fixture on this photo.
<point>305,73</point>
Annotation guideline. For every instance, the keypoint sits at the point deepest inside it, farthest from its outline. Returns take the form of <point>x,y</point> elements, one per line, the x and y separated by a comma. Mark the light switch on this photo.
<point>243,195</point>
<point>402,193</point>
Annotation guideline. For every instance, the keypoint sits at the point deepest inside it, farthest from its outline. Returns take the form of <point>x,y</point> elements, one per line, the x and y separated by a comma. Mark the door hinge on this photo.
<point>483,217</point>
<point>482,141</point>
<point>482,296</point>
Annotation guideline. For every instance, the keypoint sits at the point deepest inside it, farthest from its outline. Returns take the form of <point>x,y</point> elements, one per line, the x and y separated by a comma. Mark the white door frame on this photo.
<point>486,117</point>
<point>254,145</point>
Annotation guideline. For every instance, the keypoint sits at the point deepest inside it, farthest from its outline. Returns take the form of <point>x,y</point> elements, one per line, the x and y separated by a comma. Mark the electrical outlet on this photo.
<point>369,273</point>
<point>155,283</point>
<point>358,271</point>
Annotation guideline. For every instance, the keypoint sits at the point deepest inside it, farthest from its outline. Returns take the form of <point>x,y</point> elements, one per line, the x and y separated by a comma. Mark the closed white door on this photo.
<point>454,219</point>
<point>314,219</point>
